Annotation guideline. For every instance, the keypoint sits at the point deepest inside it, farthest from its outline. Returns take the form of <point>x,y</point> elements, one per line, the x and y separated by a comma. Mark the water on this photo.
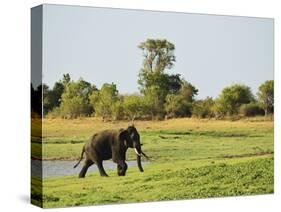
<point>57,168</point>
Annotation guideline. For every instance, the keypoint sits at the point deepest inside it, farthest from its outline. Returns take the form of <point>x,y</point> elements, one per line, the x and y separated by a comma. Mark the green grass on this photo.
<point>189,159</point>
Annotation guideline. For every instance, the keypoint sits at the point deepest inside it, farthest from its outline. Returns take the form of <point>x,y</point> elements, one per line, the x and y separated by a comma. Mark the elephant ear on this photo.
<point>123,137</point>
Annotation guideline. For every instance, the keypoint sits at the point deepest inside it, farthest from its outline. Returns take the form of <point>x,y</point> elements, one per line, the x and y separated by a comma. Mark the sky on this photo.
<point>100,45</point>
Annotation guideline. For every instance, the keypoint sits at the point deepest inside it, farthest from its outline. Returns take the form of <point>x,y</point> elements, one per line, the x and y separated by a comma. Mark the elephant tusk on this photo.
<point>137,152</point>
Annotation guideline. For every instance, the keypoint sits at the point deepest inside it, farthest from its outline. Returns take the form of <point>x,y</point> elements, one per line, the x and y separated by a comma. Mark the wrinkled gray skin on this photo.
<point>111,144</point>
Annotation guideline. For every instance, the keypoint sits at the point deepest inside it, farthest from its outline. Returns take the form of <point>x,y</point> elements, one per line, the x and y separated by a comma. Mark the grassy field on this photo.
<point>190,158</point>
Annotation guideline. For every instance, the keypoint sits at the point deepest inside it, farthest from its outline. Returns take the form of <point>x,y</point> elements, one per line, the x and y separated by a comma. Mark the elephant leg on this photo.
<point>101,169</point>
<point>122,168</point>
<point>83,171</point>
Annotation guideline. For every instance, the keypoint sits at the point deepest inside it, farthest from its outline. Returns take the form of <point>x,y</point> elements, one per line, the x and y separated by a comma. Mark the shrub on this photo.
<point>203,108</point>
<point>251,109</point>
<point>231,98</point>
<point>177,106</point>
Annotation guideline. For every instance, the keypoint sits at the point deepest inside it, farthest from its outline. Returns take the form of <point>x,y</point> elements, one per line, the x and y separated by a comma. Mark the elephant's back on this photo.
<point>101,143</point>
<point>103,136</point>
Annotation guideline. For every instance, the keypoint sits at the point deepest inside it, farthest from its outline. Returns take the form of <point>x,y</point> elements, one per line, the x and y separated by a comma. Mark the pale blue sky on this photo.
<point>100,45</point>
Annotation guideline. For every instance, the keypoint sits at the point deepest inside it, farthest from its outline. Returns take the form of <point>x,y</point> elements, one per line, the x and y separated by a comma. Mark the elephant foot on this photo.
<point>81,175</point>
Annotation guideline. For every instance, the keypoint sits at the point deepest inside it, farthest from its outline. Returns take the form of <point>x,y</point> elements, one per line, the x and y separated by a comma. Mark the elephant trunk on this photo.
<point>138,152</point>
<point>139,163</point>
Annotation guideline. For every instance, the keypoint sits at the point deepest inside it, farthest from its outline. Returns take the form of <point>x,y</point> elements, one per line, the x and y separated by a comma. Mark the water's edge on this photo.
<point>56,168</point>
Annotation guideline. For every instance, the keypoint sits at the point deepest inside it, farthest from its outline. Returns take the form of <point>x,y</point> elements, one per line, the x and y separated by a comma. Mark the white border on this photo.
<point>14,111</point>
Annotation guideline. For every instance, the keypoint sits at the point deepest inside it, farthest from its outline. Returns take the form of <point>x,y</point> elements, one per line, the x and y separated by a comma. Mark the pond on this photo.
<point>55,168</point>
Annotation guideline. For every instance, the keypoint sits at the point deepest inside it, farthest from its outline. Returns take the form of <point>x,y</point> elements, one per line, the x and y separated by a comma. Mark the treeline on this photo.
<point>162,95</point>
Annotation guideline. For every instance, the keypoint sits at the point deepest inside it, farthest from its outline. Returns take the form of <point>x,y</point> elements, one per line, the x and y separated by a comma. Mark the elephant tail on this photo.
<point>83,150</point>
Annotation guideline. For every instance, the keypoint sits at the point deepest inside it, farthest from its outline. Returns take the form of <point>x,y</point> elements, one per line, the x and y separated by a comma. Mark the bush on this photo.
<point>177,106</point>
<point>203,108</point>
<point>231,98</point>
<point>134,106</point>
<point>106,102</point>
<point>251,109</point>
<point>74,107</point>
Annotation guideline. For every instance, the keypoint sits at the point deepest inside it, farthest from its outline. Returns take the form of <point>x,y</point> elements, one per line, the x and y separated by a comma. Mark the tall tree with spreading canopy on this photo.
<point>154,83</point>
<point>266,96</point>
<point>158,55</point>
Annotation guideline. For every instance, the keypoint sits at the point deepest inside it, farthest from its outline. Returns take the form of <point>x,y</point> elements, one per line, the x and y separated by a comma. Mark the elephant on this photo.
<point>113,144</point>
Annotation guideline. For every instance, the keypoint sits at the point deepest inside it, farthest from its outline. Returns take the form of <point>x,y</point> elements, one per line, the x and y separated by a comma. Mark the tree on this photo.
<point>52,97</point>
<point>176,106</point>
<point>75,99</point>
<point>56,93</point>
<point>105,101</point>
<point>158,54</point>
<point>251,109</point>
<point>179,102</point>
<point>266,96</point>
<point>117,110</point>
<point>154,83</point>
<point>133,106</point>
<point>231,98</point>
<point>188,91</point>
<point>66,79</point>
<point>47,105</point>
<point>154,100</point>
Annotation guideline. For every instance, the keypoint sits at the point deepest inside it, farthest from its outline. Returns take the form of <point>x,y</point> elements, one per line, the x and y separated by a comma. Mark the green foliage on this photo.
<point>158,54</point>
<point>75,99</point>
<point>106,102</point>
<point>161,94</point>
<point>231,98</point>
<point>56,94</point>
<point>155,87</point>
<point>169,83</point>
<point>52,98</point>
<point>203,108</point>
<point>177,106</point>
<point>154,102</point>
<point>117,110</point>
<point>164,93</point>
<point>134,106</point>
<point>251,109</point>
<point>188,91</point>
<point>266,96</point>
<point>154,83</point>
<point>66,79</point>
